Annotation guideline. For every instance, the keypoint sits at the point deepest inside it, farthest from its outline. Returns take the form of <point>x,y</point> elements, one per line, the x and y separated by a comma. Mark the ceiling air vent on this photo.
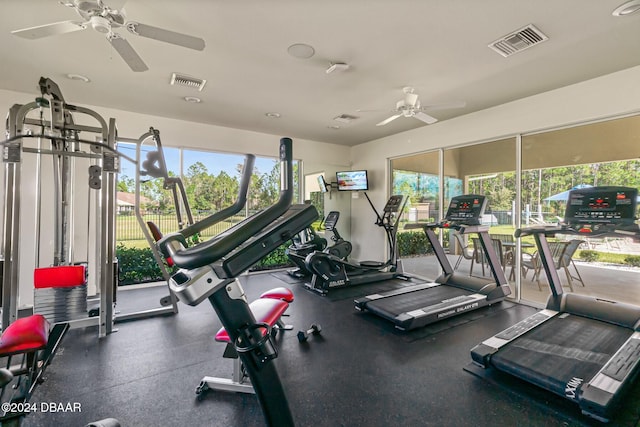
<point>518,41</point>
<point>188,81</point>
<point>345,118</point>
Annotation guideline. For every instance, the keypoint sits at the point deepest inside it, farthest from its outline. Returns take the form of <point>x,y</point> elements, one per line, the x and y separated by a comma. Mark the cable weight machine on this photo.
<point>46,228</point>
<point>154,166</point>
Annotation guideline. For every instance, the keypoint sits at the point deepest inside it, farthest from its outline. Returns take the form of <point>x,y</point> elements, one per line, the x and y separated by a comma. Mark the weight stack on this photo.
<point>60,293</point>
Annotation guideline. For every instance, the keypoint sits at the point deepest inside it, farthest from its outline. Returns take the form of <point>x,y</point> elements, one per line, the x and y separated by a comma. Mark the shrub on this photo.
<point>136,265</point>
<point>413,243</point>
<point>276,259</point>
<point>633,260</point>
<point>589,255</point>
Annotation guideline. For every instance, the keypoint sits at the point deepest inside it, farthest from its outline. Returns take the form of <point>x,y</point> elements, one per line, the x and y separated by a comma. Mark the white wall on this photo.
<point>607,96</point>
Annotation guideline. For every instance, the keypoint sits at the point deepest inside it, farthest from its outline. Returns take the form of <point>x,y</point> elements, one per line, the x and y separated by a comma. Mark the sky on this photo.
<point>214,162</point>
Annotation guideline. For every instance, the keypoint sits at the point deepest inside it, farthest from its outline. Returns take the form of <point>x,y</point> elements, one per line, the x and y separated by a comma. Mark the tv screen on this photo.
<point>322,184</point>
<point>352,180</point>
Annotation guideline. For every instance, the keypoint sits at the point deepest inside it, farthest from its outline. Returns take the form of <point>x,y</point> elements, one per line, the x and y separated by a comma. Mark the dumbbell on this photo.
<point>304,335</point>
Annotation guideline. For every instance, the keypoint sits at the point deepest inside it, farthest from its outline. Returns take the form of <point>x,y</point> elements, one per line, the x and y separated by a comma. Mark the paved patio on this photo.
<point>616,283</point>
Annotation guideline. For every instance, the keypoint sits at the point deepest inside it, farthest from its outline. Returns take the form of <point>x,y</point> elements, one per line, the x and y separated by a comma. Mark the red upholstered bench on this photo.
<point>30,339</point>
<point>265,310</point>
<point>283,294</point>
<point>157,235</point>
<point>279,293</point>
<point>269,309</point>
<point>25,335</point>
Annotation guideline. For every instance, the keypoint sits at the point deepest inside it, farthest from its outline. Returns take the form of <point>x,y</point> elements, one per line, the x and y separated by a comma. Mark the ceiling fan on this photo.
<point>105,20</point>
<point>410,106</point>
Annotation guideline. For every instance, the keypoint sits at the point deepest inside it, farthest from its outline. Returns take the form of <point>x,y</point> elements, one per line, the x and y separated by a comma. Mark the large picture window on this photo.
<point>211,181</point>
<point>551,164</point>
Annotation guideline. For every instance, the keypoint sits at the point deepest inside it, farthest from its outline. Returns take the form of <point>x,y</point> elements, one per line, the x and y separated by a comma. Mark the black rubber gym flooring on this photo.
<point>359,372</point>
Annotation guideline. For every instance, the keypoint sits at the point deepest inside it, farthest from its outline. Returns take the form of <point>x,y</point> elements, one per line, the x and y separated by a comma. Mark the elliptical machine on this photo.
<point>308,242</point>
<point>330,271</point>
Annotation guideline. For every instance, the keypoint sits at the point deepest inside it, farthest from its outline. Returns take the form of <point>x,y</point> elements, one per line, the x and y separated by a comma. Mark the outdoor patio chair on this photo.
<point>481,259</point>
<point>566,261</point>
<point>467,252</point>
<point>562,253</point>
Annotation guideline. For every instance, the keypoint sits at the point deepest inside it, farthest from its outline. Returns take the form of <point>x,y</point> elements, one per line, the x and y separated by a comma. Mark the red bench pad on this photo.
<point>279,293</point>
<point>265,310</point>
<point>63,276</point>
<point>24,335</point>
<point>157,235</point>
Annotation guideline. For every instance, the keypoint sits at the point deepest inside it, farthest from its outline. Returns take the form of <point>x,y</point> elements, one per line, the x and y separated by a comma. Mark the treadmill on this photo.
<point>452,293</point>
<point>582,348</point>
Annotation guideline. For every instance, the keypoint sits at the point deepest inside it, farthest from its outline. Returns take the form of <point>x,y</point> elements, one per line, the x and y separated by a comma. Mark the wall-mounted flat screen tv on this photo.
<point>352,180</point>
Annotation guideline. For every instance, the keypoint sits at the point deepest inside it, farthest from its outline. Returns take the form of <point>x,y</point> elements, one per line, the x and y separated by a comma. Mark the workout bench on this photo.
<point>268,309</point>
<point>59,291</point>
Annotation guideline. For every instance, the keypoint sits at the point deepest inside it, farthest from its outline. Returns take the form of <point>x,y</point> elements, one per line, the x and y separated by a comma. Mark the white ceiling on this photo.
<point>438,47</point>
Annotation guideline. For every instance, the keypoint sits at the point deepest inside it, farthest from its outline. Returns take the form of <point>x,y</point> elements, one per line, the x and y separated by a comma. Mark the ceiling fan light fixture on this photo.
<point>627,8</point>
<point>100,24</point>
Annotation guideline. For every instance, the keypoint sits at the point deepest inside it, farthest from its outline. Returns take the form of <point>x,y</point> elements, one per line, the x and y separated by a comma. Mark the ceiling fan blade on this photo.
<point>126,51</point>
<point>425,117</point>
<point>375,111</point>
<point>389,120</point>
<point>166,36</point>
<point>49,30</point>
<point>458,104</point>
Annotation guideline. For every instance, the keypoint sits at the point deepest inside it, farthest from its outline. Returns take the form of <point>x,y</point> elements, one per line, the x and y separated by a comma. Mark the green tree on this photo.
<point>125,184</point>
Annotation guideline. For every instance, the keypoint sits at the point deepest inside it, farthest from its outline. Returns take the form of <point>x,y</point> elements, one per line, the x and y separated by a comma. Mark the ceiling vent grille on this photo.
<point>188,81</point>
<point>518,41</point>
<point>345,118</point>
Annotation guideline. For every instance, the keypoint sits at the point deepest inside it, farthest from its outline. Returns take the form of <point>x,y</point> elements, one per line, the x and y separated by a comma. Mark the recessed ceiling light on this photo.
<point>272,115</point>
<point>192,99</point>
<point>333,127</point>
<point>627,8</point>
<point>78,77</point>
<point>301,50</point>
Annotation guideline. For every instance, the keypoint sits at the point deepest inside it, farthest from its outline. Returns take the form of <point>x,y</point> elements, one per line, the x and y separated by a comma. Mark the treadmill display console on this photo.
<point>601,206</point>
<point>467,209</point>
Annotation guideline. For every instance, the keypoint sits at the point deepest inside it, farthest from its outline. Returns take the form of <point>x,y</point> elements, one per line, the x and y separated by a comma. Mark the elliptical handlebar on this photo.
<point>174,245</point>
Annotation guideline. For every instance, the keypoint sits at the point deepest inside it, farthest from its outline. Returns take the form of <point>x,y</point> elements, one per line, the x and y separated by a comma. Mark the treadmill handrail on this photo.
<point>631,230</point>
<point>212,250</point>
<point>530,231</point>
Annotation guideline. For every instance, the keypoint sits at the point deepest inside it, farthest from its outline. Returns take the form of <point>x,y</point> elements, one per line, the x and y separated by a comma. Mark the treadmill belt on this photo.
<point>403,303</point>
<point>562,353</point>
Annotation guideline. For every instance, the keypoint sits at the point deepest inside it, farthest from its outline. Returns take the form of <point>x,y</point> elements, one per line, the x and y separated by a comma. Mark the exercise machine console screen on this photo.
<point>467,209</point>
<point>601,206</point>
